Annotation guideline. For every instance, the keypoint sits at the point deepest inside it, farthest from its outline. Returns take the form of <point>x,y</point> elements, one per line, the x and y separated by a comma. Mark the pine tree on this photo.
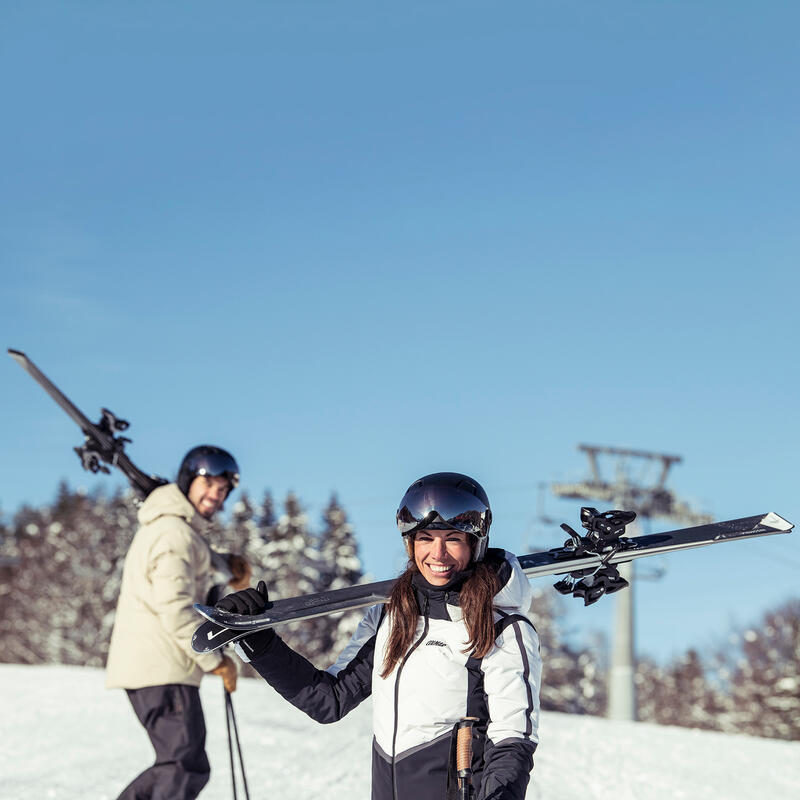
<point>260,532</point>
<point>651,691</point>
<point>291,561</point>
<point>689,697</point>
<point>9,559</point>
<point>340,567</point>
<point>762,673</point>
<point>242,526</point>
<point>66,578</point>
<point>572,678</point>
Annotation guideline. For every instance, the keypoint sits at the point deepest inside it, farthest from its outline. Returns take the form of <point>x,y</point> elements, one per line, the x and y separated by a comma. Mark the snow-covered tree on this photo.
<point>761,671</point>
<point>573,679</point>
<point>651,692</point>
<point>242,526</point>
<point>65,581</point>
<point>266,512</point>
<point>338,548</point>
<point>340,566</point>
<point>260,532</point>
<point>291,561</point>
<point>683,693</point>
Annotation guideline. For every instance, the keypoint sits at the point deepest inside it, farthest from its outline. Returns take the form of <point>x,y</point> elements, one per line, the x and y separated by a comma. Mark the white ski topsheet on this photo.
<point>773,520</point>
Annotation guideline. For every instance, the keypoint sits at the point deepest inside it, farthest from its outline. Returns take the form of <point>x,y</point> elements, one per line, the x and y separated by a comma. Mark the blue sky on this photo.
<point>358,243</point>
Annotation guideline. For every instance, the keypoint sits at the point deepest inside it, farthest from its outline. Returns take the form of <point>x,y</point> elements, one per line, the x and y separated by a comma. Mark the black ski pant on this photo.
<point>173,718</point>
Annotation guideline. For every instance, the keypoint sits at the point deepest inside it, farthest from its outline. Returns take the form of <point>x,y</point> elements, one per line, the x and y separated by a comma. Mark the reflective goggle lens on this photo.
<point>218,465</point>
<point>436,506</point>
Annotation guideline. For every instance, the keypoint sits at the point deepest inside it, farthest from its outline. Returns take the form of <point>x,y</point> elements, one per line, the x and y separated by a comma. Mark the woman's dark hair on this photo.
<point>477,605</point>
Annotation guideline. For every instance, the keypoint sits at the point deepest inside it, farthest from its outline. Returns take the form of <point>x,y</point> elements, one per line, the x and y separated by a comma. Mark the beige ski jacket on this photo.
<point>167,570</point>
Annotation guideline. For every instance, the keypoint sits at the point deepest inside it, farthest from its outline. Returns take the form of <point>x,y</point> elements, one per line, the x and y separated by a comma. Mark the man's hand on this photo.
<point>229,673</point>
<point>241,571</point>
<point>246,601</point>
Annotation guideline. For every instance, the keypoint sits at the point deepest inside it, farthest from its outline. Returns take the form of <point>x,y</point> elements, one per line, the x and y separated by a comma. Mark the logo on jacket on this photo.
<point>435,643</point>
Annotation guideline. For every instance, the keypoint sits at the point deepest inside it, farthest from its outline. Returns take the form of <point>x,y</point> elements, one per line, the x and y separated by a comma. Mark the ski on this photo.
<point>103,446</point>
<point>588,562</point>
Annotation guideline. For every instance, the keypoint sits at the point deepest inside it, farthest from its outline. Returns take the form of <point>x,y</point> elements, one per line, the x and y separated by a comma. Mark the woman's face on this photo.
<point>440,554</point>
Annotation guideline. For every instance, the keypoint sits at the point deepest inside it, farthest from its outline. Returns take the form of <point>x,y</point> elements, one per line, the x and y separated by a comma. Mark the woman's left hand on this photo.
<point>246,601</point>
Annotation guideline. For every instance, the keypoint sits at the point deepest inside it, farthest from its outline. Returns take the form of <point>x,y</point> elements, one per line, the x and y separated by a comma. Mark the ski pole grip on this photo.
<point>464,746</point>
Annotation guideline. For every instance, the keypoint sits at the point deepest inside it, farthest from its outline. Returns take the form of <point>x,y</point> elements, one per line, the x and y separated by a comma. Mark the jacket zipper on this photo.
<point>397,695</point>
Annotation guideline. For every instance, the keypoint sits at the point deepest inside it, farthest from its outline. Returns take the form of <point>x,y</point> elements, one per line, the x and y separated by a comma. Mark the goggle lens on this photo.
<point>217,465</point>
<point>442,506</point>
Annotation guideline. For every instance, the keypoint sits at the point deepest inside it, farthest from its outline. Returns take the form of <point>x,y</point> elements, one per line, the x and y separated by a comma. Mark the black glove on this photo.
<point>250,601</point>
<point>246,601</point>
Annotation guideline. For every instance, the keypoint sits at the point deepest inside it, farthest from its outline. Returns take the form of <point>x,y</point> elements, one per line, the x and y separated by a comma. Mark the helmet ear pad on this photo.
<point>479,547</point>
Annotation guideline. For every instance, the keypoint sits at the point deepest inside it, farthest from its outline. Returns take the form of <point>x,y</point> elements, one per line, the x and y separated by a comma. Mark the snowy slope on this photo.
<point>64,736</point>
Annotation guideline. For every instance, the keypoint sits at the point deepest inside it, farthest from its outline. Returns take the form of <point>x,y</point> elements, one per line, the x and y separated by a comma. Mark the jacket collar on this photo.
<point>434,601</point>
<point>169,500</point>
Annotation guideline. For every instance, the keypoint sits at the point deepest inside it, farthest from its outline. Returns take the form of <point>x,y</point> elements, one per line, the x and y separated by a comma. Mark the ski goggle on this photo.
<point>218,464</point>
<point>443,507</point>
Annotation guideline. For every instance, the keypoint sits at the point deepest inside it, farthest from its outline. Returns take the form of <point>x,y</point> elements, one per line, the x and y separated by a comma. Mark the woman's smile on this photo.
<point>439,554</point>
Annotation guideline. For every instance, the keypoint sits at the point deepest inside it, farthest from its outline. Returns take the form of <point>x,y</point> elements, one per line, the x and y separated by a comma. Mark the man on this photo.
<point>167,570</point>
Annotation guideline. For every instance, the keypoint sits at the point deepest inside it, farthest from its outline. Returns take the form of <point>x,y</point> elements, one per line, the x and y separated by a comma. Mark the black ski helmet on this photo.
<point>444,501</point>
<point>205,459</point>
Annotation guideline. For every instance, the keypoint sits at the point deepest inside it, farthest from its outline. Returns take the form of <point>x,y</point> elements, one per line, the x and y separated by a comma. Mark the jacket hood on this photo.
<point>516,594</point>
<point>169,500</point>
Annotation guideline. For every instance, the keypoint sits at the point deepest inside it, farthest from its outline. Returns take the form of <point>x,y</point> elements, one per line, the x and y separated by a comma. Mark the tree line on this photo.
<point>61,567</point>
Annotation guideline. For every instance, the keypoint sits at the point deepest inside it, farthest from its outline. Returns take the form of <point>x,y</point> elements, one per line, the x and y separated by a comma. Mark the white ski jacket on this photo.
<point>435,685</point>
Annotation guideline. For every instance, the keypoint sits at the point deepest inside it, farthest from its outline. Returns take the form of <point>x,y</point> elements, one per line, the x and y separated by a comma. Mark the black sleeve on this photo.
<point>323,696</point>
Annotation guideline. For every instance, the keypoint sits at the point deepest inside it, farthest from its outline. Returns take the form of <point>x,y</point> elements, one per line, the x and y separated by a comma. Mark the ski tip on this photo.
<point>773,520</point>
<point>18,354</point>
<point>204,611</point>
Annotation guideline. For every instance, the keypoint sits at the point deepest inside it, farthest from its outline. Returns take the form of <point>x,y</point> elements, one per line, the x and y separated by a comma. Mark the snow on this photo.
<point>65,736</point>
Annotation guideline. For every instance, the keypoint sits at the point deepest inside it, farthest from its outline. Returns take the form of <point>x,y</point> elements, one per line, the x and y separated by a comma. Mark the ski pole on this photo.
<point>230,741</point>
<point>464,757</point>
<point>238,748</point>
<point>230,717</point>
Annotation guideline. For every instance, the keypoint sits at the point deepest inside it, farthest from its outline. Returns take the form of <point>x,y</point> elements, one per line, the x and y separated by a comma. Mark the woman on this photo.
<point>454,640</point>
